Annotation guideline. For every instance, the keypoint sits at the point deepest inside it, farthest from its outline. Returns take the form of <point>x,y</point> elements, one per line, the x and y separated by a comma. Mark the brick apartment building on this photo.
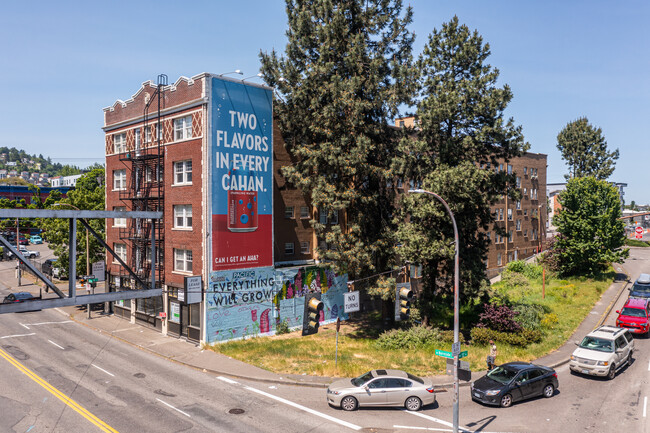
<point>165,150</point>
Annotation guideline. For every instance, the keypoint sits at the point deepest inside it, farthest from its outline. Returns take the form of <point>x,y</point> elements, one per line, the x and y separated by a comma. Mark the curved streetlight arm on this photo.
<point>456,304</point>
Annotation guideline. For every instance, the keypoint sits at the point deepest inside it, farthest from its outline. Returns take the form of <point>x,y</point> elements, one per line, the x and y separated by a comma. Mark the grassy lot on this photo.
<point>569,301</point>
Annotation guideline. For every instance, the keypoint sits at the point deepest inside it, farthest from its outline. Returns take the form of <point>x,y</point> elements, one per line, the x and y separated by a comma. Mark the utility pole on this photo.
<point>18,249</point>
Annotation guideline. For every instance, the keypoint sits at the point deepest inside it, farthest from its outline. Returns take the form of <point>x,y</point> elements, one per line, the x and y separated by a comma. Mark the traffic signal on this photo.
<point>313,308</point>
<point>405,298</point>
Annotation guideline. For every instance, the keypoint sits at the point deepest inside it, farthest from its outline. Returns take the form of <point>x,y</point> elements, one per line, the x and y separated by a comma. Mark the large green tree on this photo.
<point>88,194</point>
<point>461,136</point>
<point>585,151</point>
<point>345,70</point>
<point>591,233</point>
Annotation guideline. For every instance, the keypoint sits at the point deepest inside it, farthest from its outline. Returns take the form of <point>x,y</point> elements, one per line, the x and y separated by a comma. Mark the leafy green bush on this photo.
<point>529,315</point>
<point>516,266</point>
<point>521,339</point>
<point>636,243</point>
<point>529,270</point>
<point>282,327</point>
<point>412,338</point>
<point>549,320</point>
<point>448,336</point>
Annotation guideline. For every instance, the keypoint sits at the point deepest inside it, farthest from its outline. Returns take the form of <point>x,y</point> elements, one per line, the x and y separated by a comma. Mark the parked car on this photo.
<point>18,297</point>
<point>50,269</point>
<point>514,381</point>
<point>634,316</point>
<point>641,287</point>
<point>25,252</point>
<point>36,239</point>
<point>603,352</point>
<point>381,388</point>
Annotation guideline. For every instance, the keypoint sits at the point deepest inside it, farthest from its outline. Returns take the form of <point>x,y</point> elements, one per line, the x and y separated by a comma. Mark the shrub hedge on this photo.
<point>522,338</point>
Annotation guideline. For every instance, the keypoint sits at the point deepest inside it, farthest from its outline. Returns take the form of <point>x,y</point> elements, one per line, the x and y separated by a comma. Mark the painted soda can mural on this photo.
<point>241,170</point>
<point>251,302</point>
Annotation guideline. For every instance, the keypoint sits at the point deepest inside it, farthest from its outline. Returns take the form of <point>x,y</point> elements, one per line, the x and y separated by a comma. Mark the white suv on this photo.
<point>603,351</point>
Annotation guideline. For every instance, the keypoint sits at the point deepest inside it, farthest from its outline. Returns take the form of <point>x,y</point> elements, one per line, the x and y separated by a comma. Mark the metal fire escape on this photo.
<point>145,189</point>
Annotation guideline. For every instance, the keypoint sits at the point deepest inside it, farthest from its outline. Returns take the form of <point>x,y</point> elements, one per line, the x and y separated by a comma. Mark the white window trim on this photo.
<point>185,129</point>
<point>122,142</point>
<point>115,249</point>
<point>288,215</point>
<point>302,248</point>
<point>123,179</point>
<point>182,271</point>
<point>185,182</point>
<point>119,222</point>
<point>183,208</point>
<point>289,251</point>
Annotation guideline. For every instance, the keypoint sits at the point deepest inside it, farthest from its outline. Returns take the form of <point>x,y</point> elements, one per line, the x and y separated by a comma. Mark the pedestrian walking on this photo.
<point>491,358</point>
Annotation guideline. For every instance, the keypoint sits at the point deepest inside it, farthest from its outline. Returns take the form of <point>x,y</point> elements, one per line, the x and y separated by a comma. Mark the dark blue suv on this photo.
<point>641,287</point>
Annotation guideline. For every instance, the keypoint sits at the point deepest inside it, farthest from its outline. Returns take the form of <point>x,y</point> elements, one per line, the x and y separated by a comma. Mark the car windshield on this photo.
<point>502,375</point>
<point>359,381</point>
<point>634,312</point>
<point>599,344</point>
<point>641,288</point>
<point>415,378</point>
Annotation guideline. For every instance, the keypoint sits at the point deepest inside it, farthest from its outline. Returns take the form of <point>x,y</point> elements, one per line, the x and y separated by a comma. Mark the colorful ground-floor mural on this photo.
<point>249,302</point>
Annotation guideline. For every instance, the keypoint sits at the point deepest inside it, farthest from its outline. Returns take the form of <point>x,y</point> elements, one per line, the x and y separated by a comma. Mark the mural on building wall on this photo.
<point>250,302</point>
<point>242,175</point>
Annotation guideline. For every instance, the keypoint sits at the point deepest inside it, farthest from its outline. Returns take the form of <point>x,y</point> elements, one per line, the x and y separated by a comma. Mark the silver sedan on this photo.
<point>381,388</point>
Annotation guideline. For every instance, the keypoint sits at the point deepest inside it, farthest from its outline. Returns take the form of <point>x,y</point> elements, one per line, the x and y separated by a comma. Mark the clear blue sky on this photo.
<point>65,61</point>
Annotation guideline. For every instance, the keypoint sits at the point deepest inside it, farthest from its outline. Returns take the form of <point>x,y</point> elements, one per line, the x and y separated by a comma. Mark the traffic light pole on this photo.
<point>456,321</point>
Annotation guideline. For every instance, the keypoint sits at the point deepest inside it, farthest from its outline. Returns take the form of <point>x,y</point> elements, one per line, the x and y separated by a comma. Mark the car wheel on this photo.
<point>612,372</point>
<point>506,400</point>
<point>349,403</point>
<point>629,358</point>
<point>549,390</point>
<point>413,404</point>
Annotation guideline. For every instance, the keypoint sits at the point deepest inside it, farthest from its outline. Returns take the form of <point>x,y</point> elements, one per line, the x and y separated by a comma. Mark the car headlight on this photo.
<point>329,391</point>
<point>604,363</point>
<point>573,358</point>
<point>493,392</point>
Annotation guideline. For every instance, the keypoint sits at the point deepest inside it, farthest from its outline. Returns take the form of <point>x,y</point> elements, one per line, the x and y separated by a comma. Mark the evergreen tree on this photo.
<point>346,69</point>
<point>584,149</point>
<point>591,233</point>
<point>460,135</point>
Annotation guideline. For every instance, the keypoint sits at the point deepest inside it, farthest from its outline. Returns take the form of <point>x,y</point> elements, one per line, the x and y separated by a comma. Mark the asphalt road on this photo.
<point>116,387</point>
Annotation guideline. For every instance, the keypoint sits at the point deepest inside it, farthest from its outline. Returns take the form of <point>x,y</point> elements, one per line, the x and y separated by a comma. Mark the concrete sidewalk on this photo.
<point>189,354</point>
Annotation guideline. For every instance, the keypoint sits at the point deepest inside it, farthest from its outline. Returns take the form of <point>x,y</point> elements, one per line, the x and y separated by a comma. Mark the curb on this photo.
<point>438,387</point>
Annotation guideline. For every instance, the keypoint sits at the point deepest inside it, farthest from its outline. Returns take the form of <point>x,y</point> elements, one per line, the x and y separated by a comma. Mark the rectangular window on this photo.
<point>509,214</point>
<point>138,138</point>
<point>148,133</point>
<point>518,225</point>
<point>501,214</point>
<point>183,172</point>
<point>510,234</point>
<point>488,235</point>
<point>120,251</point>
<point>288,248</point>
<point>518,182</point>
<point>335,218</point>
<point>323,216</point>
<point>288,212</point>
<point>182,260</point>
<point>526,233</point>
<point>525,192</point>
<point>304,247</point>
<point>183,216</point>
<point>525,212</point>
<point>195,315</point>
<point>518,205</point>
<point>183,128</point>
<point>499,259</point>
<point>500,167</point>
<point>119,222</point>
<point>119,143</point>
<point>534,234</point>
<point>509,169</point>
<point>119,180</point>
<point>525,171</point>
<point>304,212</point>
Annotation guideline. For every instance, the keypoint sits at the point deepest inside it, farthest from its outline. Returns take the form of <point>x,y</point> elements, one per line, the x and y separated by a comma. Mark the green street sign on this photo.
<point>462,354</point>
<point>444,353</point>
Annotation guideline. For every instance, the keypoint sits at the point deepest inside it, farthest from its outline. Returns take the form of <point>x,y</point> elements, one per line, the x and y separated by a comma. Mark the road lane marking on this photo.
<point>304,408</point>
<point>406,427</point>
<point>99,368</point>
<point>225,379</point>
<point>645,404</point>
<point>649,366</point>
<point>24,326</point>
<point>176,409</point>
<point>48,323</point>
<point>18,335</point>
<point>62,348</point>
<point>58,394</point>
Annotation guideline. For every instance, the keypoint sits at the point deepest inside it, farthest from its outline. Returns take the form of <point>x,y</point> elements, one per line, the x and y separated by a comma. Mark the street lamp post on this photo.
<point>456,290</point>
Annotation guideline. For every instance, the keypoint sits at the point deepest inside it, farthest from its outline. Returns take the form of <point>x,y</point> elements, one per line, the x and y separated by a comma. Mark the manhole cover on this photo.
<point>236,411</point>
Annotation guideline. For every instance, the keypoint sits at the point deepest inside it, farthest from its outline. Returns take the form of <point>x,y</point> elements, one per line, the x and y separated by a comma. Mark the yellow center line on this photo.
<point>58,394</point>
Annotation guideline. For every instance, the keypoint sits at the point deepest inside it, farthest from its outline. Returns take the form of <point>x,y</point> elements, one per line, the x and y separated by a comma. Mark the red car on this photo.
<point>634,316</point>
